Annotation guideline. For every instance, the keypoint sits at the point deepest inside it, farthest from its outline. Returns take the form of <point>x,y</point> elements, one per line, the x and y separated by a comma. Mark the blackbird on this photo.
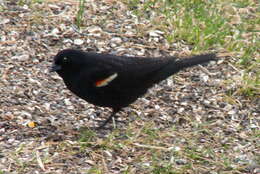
<point>116,81</point>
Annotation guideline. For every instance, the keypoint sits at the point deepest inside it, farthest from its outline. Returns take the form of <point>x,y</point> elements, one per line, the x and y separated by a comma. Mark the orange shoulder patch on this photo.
<point>106,81</point>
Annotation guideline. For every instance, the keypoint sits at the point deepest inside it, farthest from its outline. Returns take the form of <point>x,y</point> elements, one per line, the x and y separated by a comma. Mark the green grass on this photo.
<point>28,2</point>
<point>163,170</point>
<point>94,170</point>
<point>80,13</point>
<point>208,25</point>
<point>86,135</point>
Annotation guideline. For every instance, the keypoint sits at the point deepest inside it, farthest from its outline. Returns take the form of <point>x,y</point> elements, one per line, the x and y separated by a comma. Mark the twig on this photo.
<point>39,160</point>
<point>152,147</point>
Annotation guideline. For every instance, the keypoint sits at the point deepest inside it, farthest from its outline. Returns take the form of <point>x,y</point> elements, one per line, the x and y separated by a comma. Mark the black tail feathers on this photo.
<point>181,64</point>
<point>195,60</point>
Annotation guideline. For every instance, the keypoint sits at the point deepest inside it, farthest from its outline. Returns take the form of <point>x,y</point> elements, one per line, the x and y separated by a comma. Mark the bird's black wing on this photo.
<point>131,71</point>
<point>116,81</point>
<point>140,71</point>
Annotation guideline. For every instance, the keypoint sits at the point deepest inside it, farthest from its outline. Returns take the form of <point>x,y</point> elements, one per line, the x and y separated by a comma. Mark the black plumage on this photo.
<point>116,81</point>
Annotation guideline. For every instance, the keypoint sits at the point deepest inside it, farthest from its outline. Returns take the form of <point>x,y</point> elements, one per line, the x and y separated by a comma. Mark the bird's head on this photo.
<point>67,61</point>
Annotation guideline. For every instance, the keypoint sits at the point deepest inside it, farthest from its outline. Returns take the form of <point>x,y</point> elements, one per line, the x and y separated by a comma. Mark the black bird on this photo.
<point>116,81</point>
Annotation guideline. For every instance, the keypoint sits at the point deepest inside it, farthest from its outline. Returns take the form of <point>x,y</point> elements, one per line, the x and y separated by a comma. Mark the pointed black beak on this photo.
<point>55,68</point>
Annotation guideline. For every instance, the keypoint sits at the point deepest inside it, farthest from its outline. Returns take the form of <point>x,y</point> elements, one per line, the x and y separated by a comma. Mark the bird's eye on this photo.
<point>65,59</point>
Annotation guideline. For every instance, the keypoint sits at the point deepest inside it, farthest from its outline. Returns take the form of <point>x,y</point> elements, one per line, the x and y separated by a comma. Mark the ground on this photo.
<point>202,120</point>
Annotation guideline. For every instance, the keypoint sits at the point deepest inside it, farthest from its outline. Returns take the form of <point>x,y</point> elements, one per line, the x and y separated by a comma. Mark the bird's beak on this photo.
<point>55,68</point>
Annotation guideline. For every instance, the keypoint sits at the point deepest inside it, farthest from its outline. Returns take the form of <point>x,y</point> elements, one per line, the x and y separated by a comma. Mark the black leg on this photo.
<point>108,119</point>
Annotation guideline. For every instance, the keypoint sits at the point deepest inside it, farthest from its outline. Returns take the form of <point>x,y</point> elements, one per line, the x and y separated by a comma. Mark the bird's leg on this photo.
<point>108,119</point>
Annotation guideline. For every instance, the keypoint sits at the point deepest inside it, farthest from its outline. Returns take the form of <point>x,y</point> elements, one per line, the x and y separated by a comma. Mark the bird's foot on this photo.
<point>112,117</point>
<point>103,124</point>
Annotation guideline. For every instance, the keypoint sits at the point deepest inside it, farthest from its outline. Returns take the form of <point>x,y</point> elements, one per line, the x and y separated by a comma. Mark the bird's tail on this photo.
<point>181,64</point>
<point>195,60</point>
